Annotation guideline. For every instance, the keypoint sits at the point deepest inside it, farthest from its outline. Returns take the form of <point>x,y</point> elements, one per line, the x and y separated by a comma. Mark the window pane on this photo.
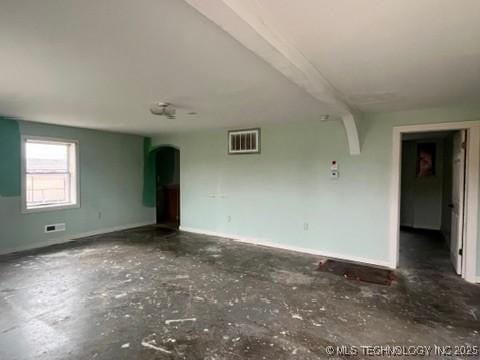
<point>48,173</point>
<point>43,157</point>
<point>47,188</point>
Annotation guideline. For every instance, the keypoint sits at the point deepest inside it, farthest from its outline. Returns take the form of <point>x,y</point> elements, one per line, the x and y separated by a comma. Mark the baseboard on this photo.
<point>261,242</point>
<point>62,240</point>
<point>477,280</point>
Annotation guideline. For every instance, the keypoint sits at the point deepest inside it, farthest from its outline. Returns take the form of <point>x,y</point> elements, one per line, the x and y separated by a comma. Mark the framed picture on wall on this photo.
<point>426,159</point>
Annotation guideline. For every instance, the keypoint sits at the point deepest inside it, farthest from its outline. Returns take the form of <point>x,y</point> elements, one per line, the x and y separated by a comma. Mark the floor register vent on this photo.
<point>55,228</point>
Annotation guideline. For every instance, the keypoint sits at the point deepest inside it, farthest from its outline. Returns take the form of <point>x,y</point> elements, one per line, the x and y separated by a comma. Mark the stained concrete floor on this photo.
<point>145,294</point>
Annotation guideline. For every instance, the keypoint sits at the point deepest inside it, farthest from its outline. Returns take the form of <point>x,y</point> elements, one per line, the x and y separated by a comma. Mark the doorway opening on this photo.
<point>432,200</point>
<point>167,164</point>
<point>444,214</point>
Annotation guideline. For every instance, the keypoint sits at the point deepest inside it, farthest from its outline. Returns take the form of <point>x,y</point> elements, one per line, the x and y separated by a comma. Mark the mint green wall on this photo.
<point>271,195</point>
<point>9,165</point>
<point>111,182</point>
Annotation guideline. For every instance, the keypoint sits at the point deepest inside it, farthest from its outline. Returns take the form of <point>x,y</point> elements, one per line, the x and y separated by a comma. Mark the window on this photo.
<point>244,141</point>
<point>50,174</point>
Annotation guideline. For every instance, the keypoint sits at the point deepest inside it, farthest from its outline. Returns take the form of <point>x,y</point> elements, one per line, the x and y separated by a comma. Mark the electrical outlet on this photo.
<point>229,218</point>
<point>305,226</point>
<point>99,215</point>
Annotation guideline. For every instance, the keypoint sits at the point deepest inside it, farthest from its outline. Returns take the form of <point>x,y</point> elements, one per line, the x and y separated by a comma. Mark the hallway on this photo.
<point>424,250</point>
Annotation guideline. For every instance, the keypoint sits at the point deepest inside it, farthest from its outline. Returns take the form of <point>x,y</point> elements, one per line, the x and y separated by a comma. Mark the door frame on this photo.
<point>472,178</point>
<point>154,150</point>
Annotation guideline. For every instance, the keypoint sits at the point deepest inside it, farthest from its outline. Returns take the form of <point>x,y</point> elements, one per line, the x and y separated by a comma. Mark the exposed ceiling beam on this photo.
<point>351,124</point>
<point>246,22</point>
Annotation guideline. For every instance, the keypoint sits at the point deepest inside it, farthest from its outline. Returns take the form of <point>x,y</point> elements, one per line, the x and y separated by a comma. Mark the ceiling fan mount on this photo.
<point>163,109</point>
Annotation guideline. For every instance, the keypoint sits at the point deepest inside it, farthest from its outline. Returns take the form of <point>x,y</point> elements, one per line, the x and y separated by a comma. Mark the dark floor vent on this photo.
<point>54,228</point>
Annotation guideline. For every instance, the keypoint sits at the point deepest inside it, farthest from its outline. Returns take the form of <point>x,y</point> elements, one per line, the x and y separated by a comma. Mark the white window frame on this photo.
<point>76,177</point>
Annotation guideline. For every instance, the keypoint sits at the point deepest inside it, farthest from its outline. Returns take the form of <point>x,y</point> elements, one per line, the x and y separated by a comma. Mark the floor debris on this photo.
<point>241,306</point>
<point>151,345</point>
<point>168,322</point>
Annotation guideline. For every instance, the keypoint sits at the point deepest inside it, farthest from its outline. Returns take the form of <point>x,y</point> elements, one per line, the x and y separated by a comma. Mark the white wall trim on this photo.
<point>66,239</point>
<point>263,242</point>
<point>469,267</point>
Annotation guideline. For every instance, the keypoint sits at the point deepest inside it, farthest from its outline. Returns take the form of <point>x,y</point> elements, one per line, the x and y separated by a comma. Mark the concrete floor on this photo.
<point>142,294</point>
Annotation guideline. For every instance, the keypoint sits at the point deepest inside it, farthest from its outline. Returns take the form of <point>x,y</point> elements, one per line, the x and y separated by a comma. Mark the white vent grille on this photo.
<point>55,228</point>
<point>244,141</point>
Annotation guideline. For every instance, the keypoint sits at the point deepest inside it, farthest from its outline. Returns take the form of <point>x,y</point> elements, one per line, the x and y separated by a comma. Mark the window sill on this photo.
<point>47,208</point>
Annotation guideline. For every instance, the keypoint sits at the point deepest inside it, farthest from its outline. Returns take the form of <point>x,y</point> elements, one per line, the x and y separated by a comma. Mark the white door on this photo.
<point>458,191</point>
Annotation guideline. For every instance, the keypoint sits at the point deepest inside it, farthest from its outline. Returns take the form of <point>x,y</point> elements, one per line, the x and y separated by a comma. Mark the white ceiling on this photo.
<point>101,64</point>
<point>387,55</point>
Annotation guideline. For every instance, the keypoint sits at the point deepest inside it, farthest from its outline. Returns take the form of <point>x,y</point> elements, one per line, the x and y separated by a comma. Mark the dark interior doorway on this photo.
<point>432,192</point>
<point>168,186</point>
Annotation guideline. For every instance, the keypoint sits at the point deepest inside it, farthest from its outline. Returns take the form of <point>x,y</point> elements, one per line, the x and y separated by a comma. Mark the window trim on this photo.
<point>76,205</point>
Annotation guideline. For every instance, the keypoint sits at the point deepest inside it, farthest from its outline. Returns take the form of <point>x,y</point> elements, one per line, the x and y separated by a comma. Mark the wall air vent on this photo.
<point>55,228</point>
<point>244,141</point>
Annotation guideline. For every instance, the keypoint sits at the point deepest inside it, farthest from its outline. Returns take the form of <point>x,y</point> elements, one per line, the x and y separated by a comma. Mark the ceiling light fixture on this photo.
<point>163,109</point>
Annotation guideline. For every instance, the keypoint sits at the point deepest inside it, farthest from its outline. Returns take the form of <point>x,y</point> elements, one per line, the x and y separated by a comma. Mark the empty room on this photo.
<point>239,179</point>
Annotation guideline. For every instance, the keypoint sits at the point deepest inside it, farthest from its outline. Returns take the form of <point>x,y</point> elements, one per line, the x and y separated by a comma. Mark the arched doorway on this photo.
<point>167,186</point>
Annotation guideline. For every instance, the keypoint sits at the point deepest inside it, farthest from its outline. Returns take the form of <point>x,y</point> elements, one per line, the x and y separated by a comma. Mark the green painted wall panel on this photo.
<point>9,157</point>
